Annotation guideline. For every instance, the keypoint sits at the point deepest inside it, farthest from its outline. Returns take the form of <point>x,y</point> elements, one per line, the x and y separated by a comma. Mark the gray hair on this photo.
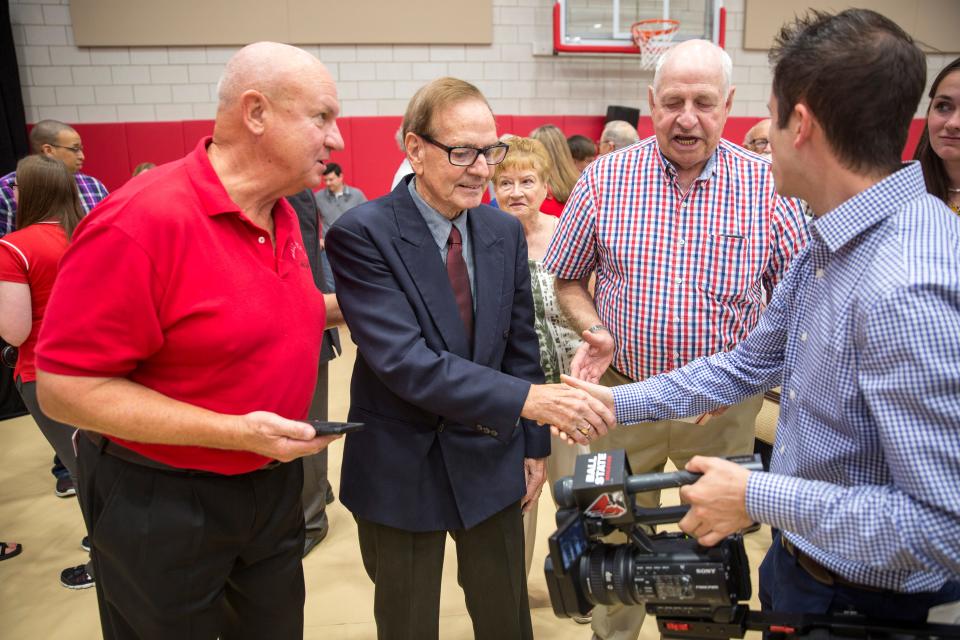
<point>621,133</point>
<point>704,46</point>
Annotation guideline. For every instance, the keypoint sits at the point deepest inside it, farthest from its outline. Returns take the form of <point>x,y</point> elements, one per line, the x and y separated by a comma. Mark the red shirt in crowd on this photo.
<point>551,206</point>
<point>30,256</point>
<point>168,284</point>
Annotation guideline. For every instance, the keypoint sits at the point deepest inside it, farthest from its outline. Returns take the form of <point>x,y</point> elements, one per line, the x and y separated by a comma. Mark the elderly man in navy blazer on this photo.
<point>435,289</point>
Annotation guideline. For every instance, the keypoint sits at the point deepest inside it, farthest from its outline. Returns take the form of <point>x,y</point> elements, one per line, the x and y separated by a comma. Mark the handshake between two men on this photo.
<point>577,409</point>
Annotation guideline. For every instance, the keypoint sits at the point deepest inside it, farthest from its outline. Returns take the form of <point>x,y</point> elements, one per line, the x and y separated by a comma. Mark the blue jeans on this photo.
<point>787,587</point>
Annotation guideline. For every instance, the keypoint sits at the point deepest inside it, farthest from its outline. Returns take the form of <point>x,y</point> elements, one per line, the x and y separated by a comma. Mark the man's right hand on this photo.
<point>593,357</point>
<point>275,437</point>
<point>574,412</point>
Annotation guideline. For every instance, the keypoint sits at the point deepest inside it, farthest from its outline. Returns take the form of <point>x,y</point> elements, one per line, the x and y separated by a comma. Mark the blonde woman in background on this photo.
<point>562,173</point>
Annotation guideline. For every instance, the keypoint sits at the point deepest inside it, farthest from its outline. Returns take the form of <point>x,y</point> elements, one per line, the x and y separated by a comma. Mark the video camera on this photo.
<point>694,591</point>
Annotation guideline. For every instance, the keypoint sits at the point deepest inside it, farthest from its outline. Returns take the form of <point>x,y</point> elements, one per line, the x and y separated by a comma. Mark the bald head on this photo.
<point>696,55</point>
<point>758,138</point>
<point>279,104</point>
<point>271,68</point>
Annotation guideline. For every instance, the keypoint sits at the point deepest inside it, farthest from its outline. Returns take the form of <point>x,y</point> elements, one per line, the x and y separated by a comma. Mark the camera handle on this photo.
<point>652,482</point>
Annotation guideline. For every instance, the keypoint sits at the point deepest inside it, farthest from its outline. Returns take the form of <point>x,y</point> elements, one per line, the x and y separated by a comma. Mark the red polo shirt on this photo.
<point>168,284</point>
<point>30,256</point>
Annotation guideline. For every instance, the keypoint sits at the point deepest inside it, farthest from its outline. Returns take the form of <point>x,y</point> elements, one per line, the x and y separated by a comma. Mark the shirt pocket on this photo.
<point>720,267</point>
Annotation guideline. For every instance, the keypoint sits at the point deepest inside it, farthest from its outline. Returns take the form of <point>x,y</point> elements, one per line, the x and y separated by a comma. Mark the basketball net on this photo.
<point>653,37</point>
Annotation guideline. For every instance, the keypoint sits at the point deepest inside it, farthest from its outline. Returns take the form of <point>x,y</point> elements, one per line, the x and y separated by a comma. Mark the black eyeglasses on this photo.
<point>466,156</point>
<point>76,149</point>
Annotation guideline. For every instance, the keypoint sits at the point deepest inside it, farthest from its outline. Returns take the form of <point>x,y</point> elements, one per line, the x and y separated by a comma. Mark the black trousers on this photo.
<point>406,568</point>
<point>194,556</point>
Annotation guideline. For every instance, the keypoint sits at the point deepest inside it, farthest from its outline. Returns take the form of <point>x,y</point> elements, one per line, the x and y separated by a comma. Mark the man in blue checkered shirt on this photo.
<point>57,140</point>
<point>864,336</point>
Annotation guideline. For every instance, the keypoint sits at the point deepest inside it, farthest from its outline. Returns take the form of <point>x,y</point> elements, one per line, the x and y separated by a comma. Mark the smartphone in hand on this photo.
<point>324,428</point>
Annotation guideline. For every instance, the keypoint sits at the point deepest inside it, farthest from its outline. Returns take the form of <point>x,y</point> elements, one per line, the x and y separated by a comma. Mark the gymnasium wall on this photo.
<point>135,104</point>
<point>516,71</point>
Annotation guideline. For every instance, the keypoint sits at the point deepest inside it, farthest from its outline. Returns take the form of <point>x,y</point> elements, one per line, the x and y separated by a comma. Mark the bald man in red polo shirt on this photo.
<point>183,337</point>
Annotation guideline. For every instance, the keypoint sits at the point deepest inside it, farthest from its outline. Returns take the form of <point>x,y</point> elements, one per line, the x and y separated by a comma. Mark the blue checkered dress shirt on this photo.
<point>864,336</point>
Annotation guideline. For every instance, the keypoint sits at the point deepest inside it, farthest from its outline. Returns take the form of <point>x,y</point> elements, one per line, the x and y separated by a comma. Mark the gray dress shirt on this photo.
<point>332,207</point>
<point>440,227</point>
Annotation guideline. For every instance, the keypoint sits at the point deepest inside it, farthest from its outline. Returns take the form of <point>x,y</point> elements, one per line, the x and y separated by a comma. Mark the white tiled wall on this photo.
<point>516,72</point>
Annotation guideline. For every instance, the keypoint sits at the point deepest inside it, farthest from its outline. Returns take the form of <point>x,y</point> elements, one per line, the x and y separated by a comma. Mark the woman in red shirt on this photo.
<point>563,173</point>
<point>48,210</point>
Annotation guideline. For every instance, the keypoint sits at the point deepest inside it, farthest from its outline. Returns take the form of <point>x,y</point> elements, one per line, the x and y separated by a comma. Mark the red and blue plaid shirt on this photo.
<point>91,190</point>
<point>679,275</point>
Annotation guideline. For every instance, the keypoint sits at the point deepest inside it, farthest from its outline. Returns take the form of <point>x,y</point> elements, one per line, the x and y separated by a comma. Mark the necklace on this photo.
<point>952,190</point>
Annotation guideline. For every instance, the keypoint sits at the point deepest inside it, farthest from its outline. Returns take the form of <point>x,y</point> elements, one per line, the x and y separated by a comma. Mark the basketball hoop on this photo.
<point>653,37</point>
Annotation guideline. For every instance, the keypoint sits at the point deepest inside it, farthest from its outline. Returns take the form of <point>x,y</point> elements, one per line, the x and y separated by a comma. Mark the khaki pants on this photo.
<point>648,446</point>
<point>560,463</point>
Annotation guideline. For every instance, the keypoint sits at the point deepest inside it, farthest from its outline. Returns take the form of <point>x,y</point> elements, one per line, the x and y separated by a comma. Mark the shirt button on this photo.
<point>676,354</point>
<point>793,394</point>
<point>679,280</point>
<point>819,273</point>
<point>783,449</point>
<point>803,337</point>
<point>261,240</point>
<point>682,242</point>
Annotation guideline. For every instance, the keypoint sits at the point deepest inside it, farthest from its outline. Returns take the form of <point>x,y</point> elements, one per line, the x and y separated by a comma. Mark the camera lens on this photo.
<point>610,575</point>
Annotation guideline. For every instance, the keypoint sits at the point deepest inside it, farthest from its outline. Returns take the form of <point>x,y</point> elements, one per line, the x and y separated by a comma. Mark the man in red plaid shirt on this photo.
<point>687,238</point>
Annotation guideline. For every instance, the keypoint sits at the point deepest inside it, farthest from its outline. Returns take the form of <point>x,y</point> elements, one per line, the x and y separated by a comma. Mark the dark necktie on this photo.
<point>460,280</point>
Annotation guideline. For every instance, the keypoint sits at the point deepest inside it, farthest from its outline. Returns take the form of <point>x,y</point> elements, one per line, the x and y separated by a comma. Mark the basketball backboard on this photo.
<point>603,26</point>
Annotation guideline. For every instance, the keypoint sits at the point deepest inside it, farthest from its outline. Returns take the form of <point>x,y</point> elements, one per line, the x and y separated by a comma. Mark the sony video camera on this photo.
<point>669,573</point>
<point>695,592</point>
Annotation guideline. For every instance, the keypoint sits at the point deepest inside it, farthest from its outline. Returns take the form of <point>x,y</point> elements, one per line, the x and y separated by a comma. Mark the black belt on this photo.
<point>129,455</point>
<point>819,572</point>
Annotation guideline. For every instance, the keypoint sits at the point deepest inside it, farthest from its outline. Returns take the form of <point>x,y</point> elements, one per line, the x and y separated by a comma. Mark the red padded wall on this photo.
<point>156,142</point>
<point>106,153</point>
<point>372,171</point>
<point>370,156</point>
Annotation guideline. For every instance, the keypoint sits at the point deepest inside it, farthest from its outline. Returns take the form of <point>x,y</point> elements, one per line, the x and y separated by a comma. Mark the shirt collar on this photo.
<point>670,171</point>
<point>211,192</point>
<point>869,207</point>
<point>216,201</point>
<point>438,224</point>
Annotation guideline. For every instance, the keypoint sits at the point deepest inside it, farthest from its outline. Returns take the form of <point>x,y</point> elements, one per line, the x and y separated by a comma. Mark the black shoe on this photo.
<point>76,578</point>
<point>65,487</point>
<point>85,544</point>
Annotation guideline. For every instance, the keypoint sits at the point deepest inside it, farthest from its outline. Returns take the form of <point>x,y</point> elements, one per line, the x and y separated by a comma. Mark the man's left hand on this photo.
<point>535,474</point>
<point>718,500</point>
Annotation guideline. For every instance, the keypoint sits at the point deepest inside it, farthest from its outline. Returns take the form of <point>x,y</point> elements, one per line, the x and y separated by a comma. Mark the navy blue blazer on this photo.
<point>444,446</point>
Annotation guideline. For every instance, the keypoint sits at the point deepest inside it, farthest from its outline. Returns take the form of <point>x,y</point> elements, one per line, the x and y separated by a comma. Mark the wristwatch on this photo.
<point>597,328</point>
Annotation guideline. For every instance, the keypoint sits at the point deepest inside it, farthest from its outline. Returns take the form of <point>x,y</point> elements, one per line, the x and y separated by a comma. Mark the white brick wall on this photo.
<point>516,72</point>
